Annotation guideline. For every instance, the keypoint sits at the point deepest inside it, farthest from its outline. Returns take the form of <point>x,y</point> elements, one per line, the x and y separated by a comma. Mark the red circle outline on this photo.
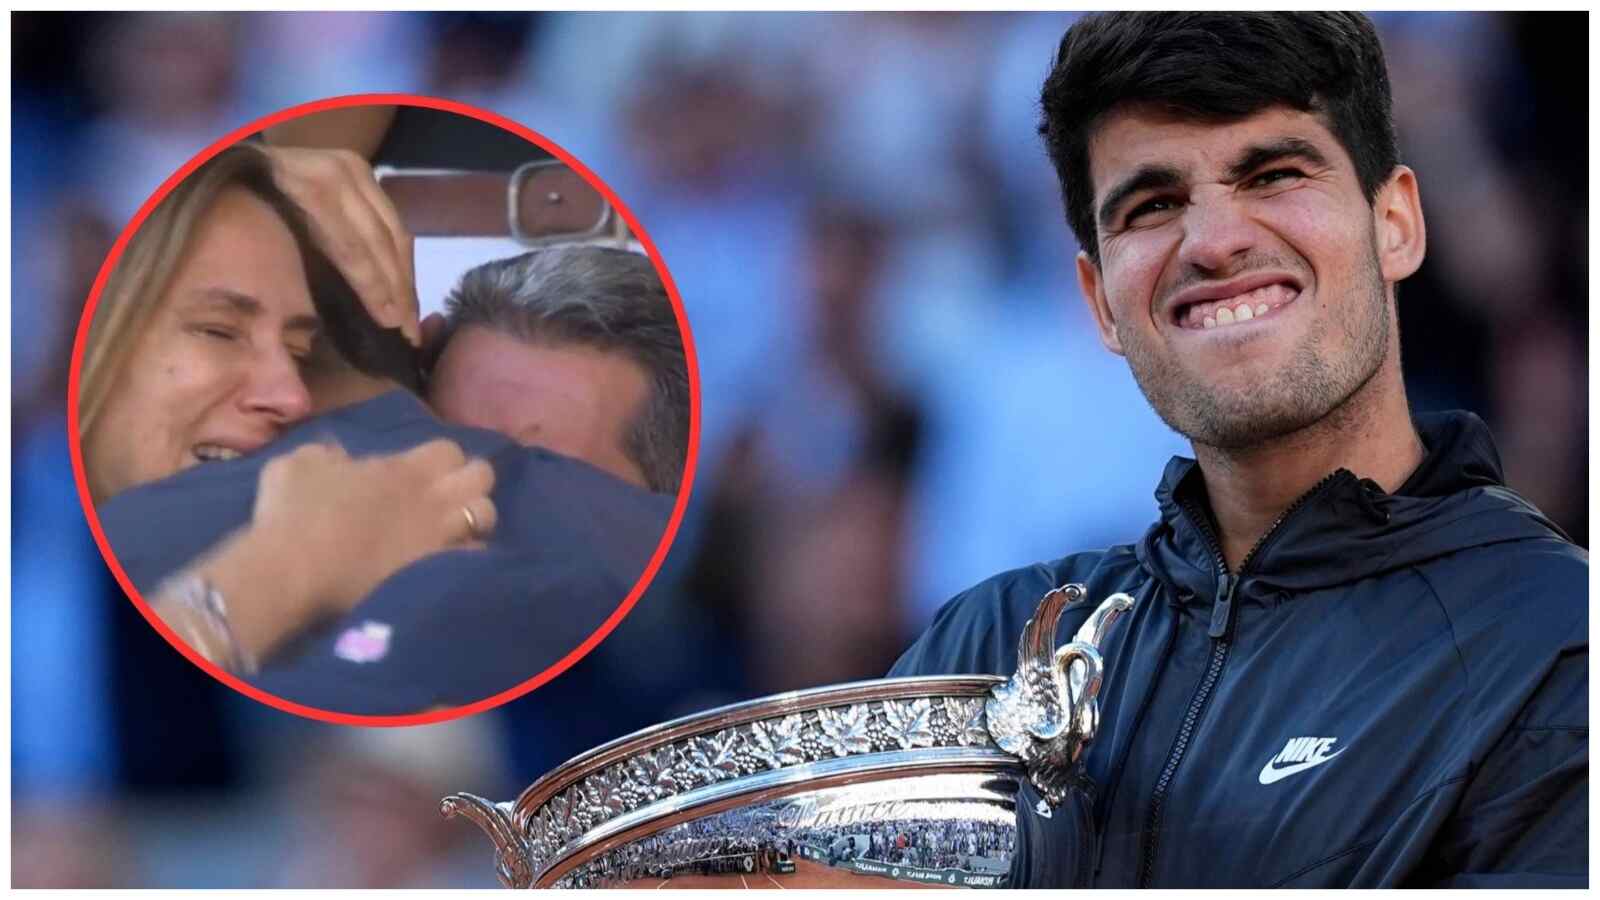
<point>667,536</point>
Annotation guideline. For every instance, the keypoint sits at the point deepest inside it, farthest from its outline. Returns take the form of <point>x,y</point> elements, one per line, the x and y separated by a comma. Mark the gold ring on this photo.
<point>472,520</point>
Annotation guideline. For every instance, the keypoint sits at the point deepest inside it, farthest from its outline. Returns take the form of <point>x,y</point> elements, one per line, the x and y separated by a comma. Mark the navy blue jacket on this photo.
<point>453,628</point>
<point>1392,690</point>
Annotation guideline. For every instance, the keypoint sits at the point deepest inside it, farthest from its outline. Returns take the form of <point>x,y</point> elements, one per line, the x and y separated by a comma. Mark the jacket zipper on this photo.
<point>1220,631</point>
<point>1090,847</point>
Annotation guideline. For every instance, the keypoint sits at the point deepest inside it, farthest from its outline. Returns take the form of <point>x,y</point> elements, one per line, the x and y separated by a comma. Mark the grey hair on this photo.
<point>599,297</point>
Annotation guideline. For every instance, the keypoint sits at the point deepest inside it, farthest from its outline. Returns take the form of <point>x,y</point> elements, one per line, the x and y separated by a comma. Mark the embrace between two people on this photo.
<point>269,433</point>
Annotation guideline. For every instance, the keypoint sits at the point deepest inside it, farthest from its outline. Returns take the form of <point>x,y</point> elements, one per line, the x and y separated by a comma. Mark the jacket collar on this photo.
<point>1347,528</point>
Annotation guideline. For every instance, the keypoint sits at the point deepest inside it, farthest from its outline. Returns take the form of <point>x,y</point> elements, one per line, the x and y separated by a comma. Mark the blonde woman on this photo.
<point>195,355</point>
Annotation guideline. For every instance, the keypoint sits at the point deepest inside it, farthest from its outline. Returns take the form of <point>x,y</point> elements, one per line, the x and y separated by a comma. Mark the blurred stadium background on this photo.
<point>901,394</point>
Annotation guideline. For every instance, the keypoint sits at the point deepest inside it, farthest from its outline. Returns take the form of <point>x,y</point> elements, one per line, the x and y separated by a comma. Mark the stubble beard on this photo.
<point>1318,381</point>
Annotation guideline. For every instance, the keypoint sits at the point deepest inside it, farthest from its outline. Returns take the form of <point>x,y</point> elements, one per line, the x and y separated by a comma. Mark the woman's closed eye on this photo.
<point>215,331</point>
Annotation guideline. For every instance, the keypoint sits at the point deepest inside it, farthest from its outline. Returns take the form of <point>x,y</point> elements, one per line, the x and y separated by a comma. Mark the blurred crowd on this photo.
<point>901,391</point>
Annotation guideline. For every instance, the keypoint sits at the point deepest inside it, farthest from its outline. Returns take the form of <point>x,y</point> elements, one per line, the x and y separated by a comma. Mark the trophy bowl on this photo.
<point>891,783</point>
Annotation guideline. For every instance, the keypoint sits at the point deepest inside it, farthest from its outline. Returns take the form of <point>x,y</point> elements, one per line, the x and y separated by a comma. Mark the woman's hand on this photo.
<point>344,525</point>
<point>356,225</point>
<point>326,530</point>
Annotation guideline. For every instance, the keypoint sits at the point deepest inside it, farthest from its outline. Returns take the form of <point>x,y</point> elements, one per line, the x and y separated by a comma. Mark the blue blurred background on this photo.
<point>901,390</point>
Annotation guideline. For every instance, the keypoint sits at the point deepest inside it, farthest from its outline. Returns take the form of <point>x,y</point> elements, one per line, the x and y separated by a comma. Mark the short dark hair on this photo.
<point>1216,67</point>
<point>598,297</point>
<point>350,329</point>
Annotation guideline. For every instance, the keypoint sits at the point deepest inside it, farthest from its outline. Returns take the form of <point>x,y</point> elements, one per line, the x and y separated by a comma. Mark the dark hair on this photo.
<point>1215,67</point>
<point>350,330</point>
<point>603,298</point>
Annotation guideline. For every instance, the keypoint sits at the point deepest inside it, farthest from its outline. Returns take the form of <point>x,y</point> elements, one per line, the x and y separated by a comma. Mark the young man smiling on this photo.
<point>1355,657</point>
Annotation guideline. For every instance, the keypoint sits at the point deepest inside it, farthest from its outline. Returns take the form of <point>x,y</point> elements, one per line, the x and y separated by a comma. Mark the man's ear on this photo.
<point>1093,288</point>
<point>1401,235</point>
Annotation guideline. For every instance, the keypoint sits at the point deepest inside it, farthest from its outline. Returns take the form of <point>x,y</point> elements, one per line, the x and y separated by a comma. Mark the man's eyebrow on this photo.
<point>246,305</point>
<point>1145,178</point>
<point>1259,155</point>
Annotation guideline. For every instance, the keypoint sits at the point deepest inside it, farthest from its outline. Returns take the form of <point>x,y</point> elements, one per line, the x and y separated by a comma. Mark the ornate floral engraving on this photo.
<point>554,824</point>
<point>560,809</point>
<point>580,813</point>
<point>539,847</point>
<point>652,773</point>
<point>811,748</point>
<point>777,743</point>
<point>910,724</point>
<point>715,758</point>
<point>967,720</point>
<point>628,791</point>
<point>844,731</point>
<point>602,797</point>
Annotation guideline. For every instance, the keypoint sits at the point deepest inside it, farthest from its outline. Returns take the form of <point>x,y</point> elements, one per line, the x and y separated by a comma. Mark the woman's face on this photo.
<point>216,371</point>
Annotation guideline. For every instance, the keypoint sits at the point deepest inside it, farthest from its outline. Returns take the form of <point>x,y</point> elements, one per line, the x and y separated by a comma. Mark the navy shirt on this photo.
<point>453,628</point>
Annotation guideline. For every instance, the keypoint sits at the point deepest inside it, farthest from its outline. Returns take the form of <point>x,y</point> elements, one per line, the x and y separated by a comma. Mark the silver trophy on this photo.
<point>876,783</point>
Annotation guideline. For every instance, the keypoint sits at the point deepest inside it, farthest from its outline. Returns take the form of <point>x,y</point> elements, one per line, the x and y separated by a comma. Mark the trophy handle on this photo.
<point>511,851</point>
<point>1038,641</point>
<point>1046,714</point>
<point>1094,629</point>
<point>1083,670</point>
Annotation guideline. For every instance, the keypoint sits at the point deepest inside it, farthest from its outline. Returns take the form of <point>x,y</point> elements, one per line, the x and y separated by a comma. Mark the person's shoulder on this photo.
<point>550,472</point>
<point>1518,614</point>
<point>544,499</point>
<point>1489,555</point>
<point>544,496</point>
<point>1537,582</point>
<point>976,632</point>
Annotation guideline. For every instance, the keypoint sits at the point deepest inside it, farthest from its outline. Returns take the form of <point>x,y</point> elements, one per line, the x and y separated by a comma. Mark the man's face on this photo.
<point>215,371</point>
<point>575,400</point>
<point>1239,270</point>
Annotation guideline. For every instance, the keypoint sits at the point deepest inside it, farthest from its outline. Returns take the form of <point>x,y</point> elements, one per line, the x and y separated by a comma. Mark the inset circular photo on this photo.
<point>384,410</point>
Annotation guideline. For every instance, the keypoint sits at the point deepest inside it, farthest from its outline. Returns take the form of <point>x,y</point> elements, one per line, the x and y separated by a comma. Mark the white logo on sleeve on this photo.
<point>1298,755</point>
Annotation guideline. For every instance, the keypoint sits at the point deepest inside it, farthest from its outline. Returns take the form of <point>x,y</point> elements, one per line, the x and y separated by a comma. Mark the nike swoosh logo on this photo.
<point>1270,775</point>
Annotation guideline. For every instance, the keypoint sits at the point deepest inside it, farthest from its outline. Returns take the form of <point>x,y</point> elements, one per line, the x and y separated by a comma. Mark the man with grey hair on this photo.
<point>574,348</point>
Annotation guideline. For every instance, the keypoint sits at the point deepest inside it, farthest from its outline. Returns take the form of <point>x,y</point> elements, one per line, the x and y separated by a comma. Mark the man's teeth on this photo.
<point>211,452</point>
<point>1243,308</point>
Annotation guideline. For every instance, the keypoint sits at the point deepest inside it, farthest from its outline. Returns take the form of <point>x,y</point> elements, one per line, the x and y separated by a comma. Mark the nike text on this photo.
<point>1297,755</point>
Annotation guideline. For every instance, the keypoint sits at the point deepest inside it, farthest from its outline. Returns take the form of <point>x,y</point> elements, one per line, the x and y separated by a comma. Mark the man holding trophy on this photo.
<point>1346,655</point>
<point>1354,657</point>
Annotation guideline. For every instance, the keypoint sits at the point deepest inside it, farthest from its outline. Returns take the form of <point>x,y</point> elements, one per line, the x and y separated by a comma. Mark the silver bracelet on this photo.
<point>194,608</point>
